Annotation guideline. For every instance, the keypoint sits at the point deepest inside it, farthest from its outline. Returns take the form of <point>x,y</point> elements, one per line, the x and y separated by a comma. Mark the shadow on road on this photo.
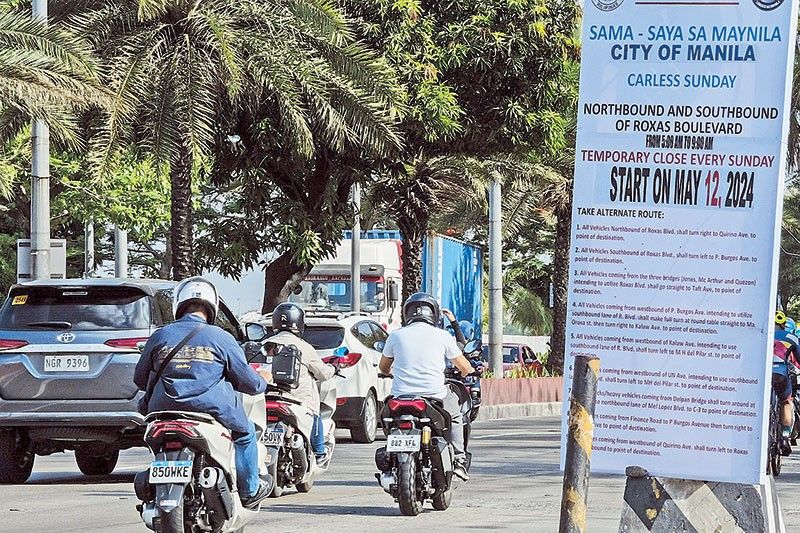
<point>338,509</point>
<point>70,478</point>
<point>347,483</point>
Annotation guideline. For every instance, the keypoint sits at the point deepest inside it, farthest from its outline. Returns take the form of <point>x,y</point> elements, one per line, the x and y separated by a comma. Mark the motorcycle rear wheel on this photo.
<point>407,487</point>
<point>172,522</point>
<point>442,500</point>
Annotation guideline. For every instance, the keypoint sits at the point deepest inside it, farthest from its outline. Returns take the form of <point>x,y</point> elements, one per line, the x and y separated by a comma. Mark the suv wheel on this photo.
<point>96,465</point>
<point>367,428</point>
<point>16,460</point>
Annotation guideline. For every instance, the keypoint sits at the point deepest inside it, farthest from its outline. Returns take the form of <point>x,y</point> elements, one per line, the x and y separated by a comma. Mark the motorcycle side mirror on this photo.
<point>472,346</point>
<point>341,351</point>
<point>255,332</point>
<point>394,293</point>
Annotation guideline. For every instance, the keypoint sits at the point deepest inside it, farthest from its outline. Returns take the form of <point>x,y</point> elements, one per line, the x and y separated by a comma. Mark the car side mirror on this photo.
<point>529,361</point>
<point>255,332</point>
<point>341,351</point>
<point>394,293</point>
<point>378,346</point>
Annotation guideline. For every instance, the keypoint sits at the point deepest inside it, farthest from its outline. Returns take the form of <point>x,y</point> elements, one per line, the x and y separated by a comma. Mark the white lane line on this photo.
<point>498,435</point>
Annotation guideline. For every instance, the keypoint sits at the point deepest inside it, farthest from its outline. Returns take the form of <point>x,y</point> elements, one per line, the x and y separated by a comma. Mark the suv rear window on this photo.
<point>321,337</point>
<point>82,308</point>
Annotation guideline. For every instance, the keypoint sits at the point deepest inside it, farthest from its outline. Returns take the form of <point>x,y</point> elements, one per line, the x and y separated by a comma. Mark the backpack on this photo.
<point>286,366</point>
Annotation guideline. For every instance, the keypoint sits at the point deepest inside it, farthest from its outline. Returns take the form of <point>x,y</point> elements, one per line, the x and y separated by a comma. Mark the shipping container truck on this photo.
<point>452,272</point>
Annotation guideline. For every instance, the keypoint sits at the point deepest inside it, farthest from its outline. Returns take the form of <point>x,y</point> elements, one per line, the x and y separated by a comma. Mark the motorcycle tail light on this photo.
<point>405,425</point>
<point>174,426</point>
<point>417,405</point>
<point>173,445</point>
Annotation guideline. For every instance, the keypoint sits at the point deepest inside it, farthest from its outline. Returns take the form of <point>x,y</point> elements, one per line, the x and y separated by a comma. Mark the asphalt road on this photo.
<point>515,486</point>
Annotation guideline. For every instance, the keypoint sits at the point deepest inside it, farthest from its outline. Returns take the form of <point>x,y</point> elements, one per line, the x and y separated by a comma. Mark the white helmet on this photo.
<point>195,290</point>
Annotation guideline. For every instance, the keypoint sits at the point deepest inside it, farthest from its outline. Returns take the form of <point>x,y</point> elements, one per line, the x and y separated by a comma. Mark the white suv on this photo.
<point>360,394</point>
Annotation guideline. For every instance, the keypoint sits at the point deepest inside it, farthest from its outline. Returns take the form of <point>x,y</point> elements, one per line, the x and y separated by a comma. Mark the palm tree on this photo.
<point>45,72</point>
<point>181,68</point>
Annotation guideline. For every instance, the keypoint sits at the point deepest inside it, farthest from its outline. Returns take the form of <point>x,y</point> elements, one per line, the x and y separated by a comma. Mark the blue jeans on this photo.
<point>318,436</point>
<point>246,446</point>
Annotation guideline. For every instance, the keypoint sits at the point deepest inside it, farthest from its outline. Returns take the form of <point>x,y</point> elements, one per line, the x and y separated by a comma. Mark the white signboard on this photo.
<point>678,185</point>
<point>58,259</point>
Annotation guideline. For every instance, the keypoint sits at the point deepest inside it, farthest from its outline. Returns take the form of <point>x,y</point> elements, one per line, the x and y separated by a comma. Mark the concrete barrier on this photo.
<point>668,505</point>
<point>519,410</point>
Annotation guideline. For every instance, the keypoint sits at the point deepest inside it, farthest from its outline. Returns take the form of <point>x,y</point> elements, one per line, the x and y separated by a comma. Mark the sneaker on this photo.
<point>322,460</point>
<point>460,469</point>
<point>786,449</point>
<point>254,501</point>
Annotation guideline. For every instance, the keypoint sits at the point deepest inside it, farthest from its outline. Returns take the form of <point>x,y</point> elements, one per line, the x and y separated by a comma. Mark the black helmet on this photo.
<point>421,307</point>
<point>289,317</point>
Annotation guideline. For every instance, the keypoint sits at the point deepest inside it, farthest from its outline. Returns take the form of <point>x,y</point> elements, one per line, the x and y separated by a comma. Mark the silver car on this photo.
<point>68,349</point>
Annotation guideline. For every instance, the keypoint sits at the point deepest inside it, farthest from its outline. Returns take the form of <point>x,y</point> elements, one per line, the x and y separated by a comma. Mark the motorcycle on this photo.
<point>470,385</point>
<point>290,458</point>
<point>191,484</point>
<point>416,464</point>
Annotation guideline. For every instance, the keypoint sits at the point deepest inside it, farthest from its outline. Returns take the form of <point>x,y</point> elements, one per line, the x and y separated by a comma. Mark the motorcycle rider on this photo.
<point>786,351</point>
<point>205,376</point>
<point>288,323</point>
<point>416,354</point>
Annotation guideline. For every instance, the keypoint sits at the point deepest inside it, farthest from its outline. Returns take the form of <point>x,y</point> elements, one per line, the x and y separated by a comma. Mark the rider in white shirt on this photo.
<point>416,354</point>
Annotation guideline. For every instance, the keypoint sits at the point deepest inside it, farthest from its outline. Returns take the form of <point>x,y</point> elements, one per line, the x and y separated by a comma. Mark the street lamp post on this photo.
<point>355,253</point>
<point>40,184</point>
<point>495,279</point>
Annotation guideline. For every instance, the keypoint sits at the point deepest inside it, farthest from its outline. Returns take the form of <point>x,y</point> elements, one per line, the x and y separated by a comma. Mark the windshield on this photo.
<point>510,354</point>
<point>78,308</point>
<point>335,295</point>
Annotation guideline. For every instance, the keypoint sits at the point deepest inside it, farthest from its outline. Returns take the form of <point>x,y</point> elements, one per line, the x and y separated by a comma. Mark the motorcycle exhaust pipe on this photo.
<point>216,492</point>
<point>299,458</point>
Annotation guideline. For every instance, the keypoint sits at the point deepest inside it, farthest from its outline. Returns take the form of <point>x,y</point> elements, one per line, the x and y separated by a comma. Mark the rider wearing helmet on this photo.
<point>416,355</point>
<point>288,323</point>
<point>205,375</point>
<point>786,351</point>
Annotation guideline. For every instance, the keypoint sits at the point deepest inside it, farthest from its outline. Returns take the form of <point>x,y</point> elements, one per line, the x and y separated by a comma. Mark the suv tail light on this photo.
<point>8,344</point>
<point>344,361</point>
<point>125,343</point>
<point>412,405</point>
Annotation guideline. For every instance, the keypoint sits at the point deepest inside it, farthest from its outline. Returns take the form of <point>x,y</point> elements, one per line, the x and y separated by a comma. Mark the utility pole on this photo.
<point>120,252</point>
<point>355,253</point>
<point>88,250</point>
<point>40,184</point>
<point>495,279</point>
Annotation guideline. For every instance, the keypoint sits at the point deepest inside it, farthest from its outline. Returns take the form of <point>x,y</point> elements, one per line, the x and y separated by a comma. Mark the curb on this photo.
<point>519,410</point>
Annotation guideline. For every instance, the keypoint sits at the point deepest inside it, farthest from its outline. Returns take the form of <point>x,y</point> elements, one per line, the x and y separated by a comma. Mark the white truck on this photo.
<point>327,288</point>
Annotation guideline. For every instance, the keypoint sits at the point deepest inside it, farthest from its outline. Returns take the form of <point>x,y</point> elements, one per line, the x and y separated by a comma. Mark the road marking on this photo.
<point>498,435</point>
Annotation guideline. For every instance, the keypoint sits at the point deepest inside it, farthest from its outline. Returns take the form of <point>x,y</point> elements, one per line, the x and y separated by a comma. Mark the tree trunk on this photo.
<point>280,278</point>
<point>181,223</point>
<point>560,286</point>
<point>165,263</point>
<point>413,241</point>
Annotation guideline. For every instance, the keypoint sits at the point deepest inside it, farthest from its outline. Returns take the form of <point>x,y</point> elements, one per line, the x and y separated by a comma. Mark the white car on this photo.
<point>360,394</point>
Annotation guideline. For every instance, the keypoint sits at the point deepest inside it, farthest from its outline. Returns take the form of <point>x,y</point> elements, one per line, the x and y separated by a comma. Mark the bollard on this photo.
<point>579,444</point>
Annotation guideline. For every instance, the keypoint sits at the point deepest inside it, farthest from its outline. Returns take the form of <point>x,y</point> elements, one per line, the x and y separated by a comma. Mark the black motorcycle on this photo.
<point>417,462</point>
